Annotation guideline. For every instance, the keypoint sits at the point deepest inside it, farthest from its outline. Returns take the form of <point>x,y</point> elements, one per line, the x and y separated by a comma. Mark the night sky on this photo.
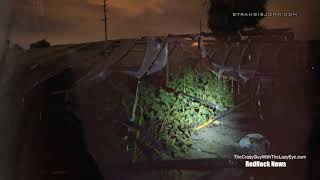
<point>71,21</point>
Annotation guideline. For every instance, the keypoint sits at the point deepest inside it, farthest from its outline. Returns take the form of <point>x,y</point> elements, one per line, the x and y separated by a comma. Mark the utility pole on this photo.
<point>200,26</point>
<point>105,19</point>
<point>203,14</point>
<point>38,7</point>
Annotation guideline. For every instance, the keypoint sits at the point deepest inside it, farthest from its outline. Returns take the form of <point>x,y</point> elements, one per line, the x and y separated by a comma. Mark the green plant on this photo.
<point>171,118</point>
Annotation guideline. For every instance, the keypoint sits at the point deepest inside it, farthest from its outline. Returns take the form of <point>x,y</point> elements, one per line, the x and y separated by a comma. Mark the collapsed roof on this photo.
<point>253,57</point>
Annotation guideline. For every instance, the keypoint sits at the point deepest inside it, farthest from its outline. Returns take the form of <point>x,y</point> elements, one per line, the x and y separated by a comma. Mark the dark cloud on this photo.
<point>70,21</point>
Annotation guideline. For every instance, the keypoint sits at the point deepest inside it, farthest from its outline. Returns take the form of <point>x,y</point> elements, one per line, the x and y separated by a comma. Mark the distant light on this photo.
<point>195,44</point>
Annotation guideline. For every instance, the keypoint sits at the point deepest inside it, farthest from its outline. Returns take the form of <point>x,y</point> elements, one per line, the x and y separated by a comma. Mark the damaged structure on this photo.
<point>80,82</point>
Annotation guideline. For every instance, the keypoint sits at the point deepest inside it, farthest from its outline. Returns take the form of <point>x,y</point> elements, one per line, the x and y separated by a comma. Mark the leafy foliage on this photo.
<point>172,118</point>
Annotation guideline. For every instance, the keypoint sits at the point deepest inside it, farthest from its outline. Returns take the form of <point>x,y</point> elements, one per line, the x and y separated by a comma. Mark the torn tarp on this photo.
<point>229,72</point>
<point>101,70</point>
<point>155,59</point>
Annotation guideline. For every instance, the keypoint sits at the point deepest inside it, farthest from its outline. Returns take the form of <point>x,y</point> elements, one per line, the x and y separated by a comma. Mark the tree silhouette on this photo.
<point>221,17</point>
<point>40,44</point>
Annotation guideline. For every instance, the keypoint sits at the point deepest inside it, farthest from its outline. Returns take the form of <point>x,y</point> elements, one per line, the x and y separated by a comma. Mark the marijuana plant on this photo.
<point>172,118</point>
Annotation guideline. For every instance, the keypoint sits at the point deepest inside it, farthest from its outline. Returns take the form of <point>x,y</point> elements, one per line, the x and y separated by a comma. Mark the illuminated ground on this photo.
<point>221,138</point>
